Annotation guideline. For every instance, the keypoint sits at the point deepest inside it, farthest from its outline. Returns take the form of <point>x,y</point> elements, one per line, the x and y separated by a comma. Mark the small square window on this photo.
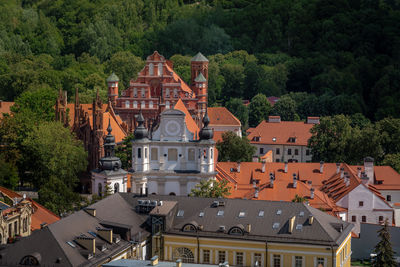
<point>242,214</point>
<point>201,214</point>
<point>380,218</point>
<point>289,151</point>
<point>220,213</point>
<point>180,213</point>
<point>388,198</point>
<point>296,152</point>
<point>261,213</point>
<point>278,212</point>
<point>364,218</point>
<point>361,203</point>
<point>353,218</point>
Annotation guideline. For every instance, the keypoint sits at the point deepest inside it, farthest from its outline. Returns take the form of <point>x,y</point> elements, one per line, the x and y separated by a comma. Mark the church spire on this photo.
<point>140,131</point>
<point>206,133</point>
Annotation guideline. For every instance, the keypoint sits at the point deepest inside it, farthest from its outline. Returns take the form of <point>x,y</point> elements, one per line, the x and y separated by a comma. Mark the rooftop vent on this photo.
<point>201,214</point>
<point>221,228</point>
<point>301,214</point>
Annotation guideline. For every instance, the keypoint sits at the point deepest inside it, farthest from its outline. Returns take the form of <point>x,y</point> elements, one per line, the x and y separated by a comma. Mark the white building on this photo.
<point>109,176</point>
<point>173,160</point>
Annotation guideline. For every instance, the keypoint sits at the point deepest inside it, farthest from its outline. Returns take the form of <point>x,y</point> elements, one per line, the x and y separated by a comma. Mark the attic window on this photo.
<point>220,213</point>
<point>189,228</point>
<point>275,225</point>
<point>299,227</point>
<point>301,213</point>
<point>71,244</point>
<point>236,231</point>
<point>180,213</point>
<point>256,138</point>
<point>261,213</point>
<point>278,212</point>
<point>201,214</point>
<point>292,140</point>
<point>242,214</point>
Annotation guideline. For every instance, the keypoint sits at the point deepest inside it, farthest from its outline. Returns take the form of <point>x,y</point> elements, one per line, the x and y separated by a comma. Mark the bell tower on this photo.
<point>199,82</point>
<point>112,83</point>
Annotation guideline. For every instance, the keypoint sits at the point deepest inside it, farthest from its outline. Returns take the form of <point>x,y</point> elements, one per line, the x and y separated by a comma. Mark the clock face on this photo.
<point>172,128</point>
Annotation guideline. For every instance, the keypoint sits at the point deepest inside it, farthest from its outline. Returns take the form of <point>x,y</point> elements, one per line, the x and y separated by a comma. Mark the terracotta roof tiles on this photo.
<point>190,123</point>
<point>222,116</point>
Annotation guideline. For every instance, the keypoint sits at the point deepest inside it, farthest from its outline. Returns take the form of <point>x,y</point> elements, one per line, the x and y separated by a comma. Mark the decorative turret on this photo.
<point>110,162</point>
<point>206,133</point>
<point>140,131</point>
<point>199,82</point>
<point>112,82</point>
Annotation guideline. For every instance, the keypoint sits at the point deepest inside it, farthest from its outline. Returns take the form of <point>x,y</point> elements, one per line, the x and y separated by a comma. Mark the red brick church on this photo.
<point>158,87</point>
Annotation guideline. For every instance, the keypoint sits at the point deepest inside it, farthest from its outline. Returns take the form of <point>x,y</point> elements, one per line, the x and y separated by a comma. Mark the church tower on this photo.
<point>112,83</point>
<point>199,82</point>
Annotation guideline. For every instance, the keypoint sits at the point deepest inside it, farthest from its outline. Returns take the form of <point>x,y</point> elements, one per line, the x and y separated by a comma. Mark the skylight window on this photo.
<point>71,244</point>
<point>201,214</point>
<point>180,213</point>
<point>220,213</point>
<point>261,213</point>
<point>278,212</point>
<point>242,214</point>
<point>275,225</point>
<point>301,214</point>
<point>299,227</point>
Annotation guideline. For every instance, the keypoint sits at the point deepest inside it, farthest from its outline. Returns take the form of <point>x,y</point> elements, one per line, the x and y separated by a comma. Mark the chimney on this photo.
<point>369,169</point>
<point>271,179</point>
<point>91,211</point>
<point>294,181</point>
<point>154,261</point>
<point>106,234</point>
<point>254,183</point>
<point>321,167</point>
<point>274,119</point>
<point>347,180</point>
<point>248,228</point>
<point>312,193</point>
<point>311,219</point>
<point>291,224</point>
<point>87,242</point>
<point>359,172</point>
<point>364,179</point>
<point>341,172</point>
<point>286,167</point>
<point>263,166</point>
<point>238,166</point>
<point>313,120</point>
<point>337,168</point>
<point>256,193</point>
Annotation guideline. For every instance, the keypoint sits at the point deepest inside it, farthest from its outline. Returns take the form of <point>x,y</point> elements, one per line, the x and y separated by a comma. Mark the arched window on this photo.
<point>236,231</point>
<point>167,92</point>
<point>189,228</point>
<point>127,104</point>
<point>167,104</point>
<point>191,154</point>
<point>143,92</point>
<point>100,189</point>
<point>134,104</point>
<point>160,69</point>
<point>211,153</point>
<point>143,104</point>
<point>31,260</point>
<point>116,187</point>
<point>151,104</point>
<point>175,92</point>
<point>135,92</point>
<point>172,194</point>
<point>151,69</point>
<point>185,254</point>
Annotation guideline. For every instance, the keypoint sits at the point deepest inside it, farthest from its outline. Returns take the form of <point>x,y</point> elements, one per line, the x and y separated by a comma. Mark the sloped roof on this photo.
<point>222,116</point>
<point>112,78</point>
<point>199,57</point>
<point>178,79</point>
<point>190,123</point>
<point>281,132</point>
<point>5,107</point>
<point>200,78</point>
<point>386,178</point>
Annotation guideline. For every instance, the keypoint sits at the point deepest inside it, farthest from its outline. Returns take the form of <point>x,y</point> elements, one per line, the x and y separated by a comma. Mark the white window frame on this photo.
<point>272,259</point>
<point>127,104</point>
<point>316,261</point>
<point>134,104</point>
<point>151,69</point>
<point>294,260</point>
<point>151,104</point>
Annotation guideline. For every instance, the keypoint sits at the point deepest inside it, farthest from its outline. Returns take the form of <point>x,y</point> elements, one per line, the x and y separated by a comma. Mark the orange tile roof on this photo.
<point>386,178</point>
<point>190,123</point>
<point>5,107</point>
<point>281,132</point>
<point>40,214</point>
<point>222,116</point>
<point>267,156</point>
<point>218,136</point>
<point>178,79</point>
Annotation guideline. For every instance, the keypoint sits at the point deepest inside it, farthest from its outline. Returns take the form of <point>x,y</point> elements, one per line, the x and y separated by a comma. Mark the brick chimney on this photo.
<point>369,169</point>
<point>337,168</point>
<point>238,166</point>
<point>263,166</point>
<point>294,181</point>
<point>312,193</point>
<point>321,167</point>
<point>286,167</point>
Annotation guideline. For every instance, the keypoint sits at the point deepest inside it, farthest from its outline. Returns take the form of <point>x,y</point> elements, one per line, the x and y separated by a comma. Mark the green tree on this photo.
<point>286,108</point>
<point>8,174</point>
<point>234,148</point>
<point>299,199</point>
<point>211,188</point>
<point>383,250</point>
<point>389,129</point>
<point>235,105</point>
<point>124,151</point>
<point>393,160</point>
<point>259,109</point>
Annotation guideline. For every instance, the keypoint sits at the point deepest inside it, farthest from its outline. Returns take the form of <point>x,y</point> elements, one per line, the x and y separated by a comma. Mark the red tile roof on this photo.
<point>386,178</point>
<point>279,133</point>
<point>190,123</point>
<point>222,116</point>
<point>40,214</point>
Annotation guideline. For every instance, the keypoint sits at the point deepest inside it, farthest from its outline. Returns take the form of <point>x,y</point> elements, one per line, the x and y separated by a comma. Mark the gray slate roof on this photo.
<point>199,58</point>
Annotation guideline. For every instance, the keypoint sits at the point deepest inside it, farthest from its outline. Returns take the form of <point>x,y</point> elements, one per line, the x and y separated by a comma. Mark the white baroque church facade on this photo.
<point>173,160</point>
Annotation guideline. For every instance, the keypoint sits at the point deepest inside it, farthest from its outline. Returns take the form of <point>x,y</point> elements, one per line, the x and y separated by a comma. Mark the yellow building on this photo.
<point>251,233</point>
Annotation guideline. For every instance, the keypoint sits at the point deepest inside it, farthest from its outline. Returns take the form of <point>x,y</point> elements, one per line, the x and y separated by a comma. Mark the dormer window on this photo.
<point>256,138</point>
<point>236,231</point>
<point>189,228</point>
<point>292,140</point>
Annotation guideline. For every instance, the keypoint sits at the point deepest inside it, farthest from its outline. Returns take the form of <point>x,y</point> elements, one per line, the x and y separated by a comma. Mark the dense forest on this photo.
<point>328,56</point>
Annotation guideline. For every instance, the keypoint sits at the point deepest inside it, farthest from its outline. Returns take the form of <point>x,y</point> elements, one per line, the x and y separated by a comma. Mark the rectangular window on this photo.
<point>320,262</point>
<point>239,258</point>
<point>298,261</point>
<point>145,152</point>
<point>221,256</point>
<point>16,228</point>
<point>276,260</point>
<point>361,203</point>
<point>191,154</point>
<point>363,218</point>
<point>206,256</point>
<point>353,218</point>
<point>296,152</point>
<point>380,218</point>
<point>307,152</point>
<point>257,259</point>
<point>10,230</point>
<point>278,151</point>
<point>289,151</point>
<point>172,154</point>
<point>154,153</point>
<point>139,153</point>
<point>262,150</point>
<point>277,160</point>
<point>388,198</point>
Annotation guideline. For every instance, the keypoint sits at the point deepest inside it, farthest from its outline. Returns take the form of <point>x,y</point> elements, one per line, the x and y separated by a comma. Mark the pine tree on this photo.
<point>384,252</point>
